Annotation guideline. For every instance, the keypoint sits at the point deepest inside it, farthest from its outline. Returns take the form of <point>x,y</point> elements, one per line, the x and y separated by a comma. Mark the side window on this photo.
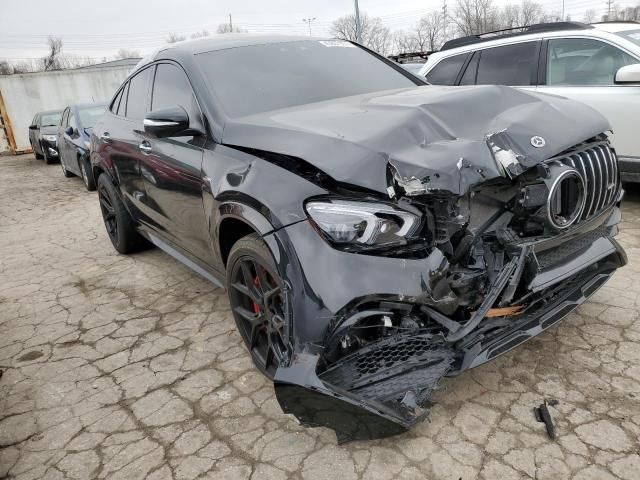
<point>469,76</point>
<point>171,87</point>
<point>446,71</point>
<point>513,65</point>
<point>583,61</point>
<point>72,121</point>
<point>122,107</point>
<point>138,96</point>
<point>116,102</point>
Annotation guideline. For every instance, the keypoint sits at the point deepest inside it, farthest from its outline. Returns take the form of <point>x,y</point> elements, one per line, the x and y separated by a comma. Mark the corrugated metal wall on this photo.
<point>28,93</point>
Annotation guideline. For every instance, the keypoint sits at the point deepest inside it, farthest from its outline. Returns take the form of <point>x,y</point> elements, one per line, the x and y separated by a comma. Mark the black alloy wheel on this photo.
<point>257,301</point>
<point>108,213</point>
<point>121,228</point>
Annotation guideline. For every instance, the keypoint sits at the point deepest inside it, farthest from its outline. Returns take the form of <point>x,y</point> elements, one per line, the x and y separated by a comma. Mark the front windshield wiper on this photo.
<point>49,125</point>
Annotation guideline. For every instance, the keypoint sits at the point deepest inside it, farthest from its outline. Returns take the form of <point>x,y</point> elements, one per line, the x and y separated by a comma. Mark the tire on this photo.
<point>65,172</point>
<point>47,158</point>
<point>256,296</point>
<point>87,174</point>
<point>121,228</point>
<point>35,153</point>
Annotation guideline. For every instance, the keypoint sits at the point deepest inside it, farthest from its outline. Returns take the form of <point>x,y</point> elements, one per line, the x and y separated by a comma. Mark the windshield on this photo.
<point>50,118</point>
<point>631,35</point>
<point>89,116</point>
<point>260,78</point>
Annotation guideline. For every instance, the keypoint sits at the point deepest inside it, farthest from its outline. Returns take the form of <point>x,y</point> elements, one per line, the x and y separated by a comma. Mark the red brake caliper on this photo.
<point>256,307</point>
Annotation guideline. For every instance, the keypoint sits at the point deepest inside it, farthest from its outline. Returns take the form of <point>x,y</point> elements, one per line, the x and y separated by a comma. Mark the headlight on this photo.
<point>346,222</point>
<point>50,138</point>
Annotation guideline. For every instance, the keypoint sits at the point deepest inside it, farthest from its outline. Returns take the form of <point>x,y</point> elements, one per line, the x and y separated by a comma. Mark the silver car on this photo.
<point>597,64</point>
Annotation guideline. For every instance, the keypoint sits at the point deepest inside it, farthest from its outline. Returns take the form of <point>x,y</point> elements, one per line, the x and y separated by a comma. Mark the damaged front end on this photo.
<point>501,252</point>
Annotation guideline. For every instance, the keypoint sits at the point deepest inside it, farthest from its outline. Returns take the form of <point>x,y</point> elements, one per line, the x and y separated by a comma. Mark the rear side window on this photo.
<point>116,102</point>
<point>172,88</point>
<point>72,121</point>
<point>446,71</point>
<point>138,97</point>
<point>583,61</point>
<point>513,65</point>
<point>65,118</point>
<point>469,77</point>
<point>122,107</point>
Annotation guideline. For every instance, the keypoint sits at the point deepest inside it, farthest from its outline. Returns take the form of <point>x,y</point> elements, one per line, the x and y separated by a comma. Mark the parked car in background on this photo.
<point>597,64</point>
<point>74,134</point>
<point>414,68</point>
<point>374,233</point>
<point>43,135</point>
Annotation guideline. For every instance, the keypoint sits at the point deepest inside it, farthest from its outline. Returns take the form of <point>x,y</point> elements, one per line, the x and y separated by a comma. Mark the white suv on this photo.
<point>597,64</point>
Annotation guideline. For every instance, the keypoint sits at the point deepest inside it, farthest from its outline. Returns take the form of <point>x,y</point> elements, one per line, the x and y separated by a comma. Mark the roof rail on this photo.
<point>513,32</point>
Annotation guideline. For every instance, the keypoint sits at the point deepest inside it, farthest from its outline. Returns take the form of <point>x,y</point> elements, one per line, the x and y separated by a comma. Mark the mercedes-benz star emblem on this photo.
<point>538,142</point>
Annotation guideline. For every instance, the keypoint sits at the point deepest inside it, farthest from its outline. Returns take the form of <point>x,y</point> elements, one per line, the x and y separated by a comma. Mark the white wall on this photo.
<point>28,93</point>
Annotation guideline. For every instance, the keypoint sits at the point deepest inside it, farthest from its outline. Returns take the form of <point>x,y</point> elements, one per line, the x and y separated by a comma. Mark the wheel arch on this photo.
<point>236,221</point>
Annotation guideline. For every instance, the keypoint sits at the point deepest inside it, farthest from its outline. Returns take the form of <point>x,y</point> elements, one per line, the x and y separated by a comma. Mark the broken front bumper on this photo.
<point>385,387</point>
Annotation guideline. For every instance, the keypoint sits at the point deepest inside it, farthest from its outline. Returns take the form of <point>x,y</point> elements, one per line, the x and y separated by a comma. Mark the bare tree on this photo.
<point>175,37</point>
<point>226,28</point>
<point>530,13</point>
<point>126,53</point>
<point>52,61</point>
<point>373,34</point>
<point>590,16</point>
<point>473,17</point>
<point>429,32</point>
<point>200,34</point>
<point>5,68</point>
<point>403,42</point>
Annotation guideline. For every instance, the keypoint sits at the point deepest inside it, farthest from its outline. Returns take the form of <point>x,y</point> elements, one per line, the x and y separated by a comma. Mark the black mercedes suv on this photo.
<point>374,233</point>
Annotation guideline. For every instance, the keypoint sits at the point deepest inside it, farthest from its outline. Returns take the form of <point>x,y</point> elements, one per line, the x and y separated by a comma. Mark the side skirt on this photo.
<point>182,257</point>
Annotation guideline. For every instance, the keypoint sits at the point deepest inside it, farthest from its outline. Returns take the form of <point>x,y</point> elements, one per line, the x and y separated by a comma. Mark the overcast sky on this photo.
<point>99,28</point>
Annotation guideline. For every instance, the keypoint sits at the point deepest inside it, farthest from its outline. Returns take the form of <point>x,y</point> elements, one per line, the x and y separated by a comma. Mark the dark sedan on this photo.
<point>375,233</point>
<point>43,135</point>
<point>73,140</point>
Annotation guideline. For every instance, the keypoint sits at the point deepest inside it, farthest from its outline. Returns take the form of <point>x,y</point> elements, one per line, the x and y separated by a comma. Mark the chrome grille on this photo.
<point>598,166</point>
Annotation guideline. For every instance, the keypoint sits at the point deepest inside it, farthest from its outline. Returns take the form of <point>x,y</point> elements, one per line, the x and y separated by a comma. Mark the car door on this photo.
<point>121,136</point>
<point>584,69</point>
<point>33,133</point>
<point>62,155</point>
<point>172,168</point>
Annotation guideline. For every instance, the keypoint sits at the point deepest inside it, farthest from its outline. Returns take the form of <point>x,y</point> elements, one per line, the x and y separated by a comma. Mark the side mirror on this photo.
<point>33,127</point>
<point>167,122</point>
<point>69,131</point>
<point>628,74</point>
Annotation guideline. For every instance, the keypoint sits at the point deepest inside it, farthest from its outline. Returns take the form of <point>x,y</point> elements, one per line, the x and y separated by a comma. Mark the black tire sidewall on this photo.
<point>90,183</point>
<point>254,247</point>
<point>127,240</point>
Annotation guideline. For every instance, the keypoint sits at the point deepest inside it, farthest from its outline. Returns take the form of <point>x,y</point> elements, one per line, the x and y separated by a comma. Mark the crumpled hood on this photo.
<point>441,138</point>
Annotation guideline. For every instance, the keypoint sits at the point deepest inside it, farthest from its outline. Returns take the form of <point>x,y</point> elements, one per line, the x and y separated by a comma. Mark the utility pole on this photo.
<point>358,25</point>
<point>609,5</point>
<point>230,24</point>
<point>563,10</point>
<point>444,20</point>
<point>308,22</point>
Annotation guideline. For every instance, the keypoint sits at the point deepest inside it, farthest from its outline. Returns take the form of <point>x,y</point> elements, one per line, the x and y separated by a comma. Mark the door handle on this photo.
<point>145,147</point>
<point>105,137</point>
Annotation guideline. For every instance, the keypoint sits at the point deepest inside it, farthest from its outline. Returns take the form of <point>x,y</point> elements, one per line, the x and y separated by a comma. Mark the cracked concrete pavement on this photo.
<point>130,367</point>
